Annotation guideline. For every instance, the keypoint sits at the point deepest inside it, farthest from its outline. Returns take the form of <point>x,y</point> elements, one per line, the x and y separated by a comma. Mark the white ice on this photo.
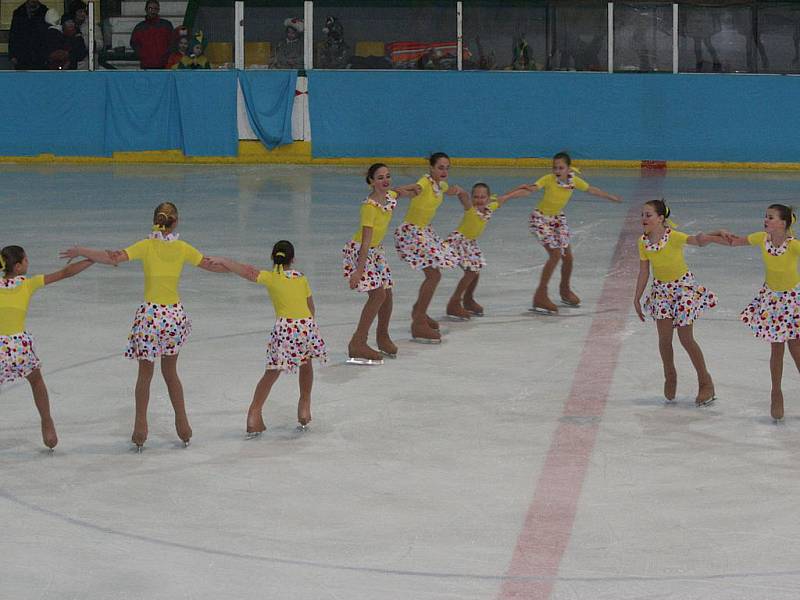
<point>415,478</point>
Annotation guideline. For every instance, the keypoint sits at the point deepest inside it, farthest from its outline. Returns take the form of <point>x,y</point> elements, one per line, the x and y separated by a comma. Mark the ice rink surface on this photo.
<point>525,457</point>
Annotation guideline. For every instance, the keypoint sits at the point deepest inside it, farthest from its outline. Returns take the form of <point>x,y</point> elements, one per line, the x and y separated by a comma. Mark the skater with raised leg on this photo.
<point>295,339</point>
<point>17,356</point>
<point>419,245</point>
<point>676,300</point>
<point>161,325</point>
<point>549,224</point>
<point>774,314</point>
<point>366,269</point>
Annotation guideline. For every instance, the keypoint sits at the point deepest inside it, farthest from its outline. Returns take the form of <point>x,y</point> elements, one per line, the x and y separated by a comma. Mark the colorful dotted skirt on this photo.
<point>294,342</point>
<point>553,232</point>
<point>421,248</point>
<point>17,357</point>
<point>467,251</point>
<point>158,330</point>
<point>376,273</point>
<point>682,300</point>
<point>774,316</point>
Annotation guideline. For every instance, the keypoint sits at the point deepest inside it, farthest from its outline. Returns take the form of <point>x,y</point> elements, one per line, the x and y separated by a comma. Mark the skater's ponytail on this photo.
<point>786,214</point>
<point>282,254</point>
<point>165,216</point>
<point>662,210</point>
<point>10,257</point>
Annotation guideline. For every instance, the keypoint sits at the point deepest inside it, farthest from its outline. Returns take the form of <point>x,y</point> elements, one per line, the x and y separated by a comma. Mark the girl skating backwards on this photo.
<point>161,325</point>
<point>418,244</point>
<point>17,356</point>
<point>478,210</point>
<point>295,338</point>
<point>774,314</point>
<point>676,300</point>
<point>549,224</point>
<point>366,269</point>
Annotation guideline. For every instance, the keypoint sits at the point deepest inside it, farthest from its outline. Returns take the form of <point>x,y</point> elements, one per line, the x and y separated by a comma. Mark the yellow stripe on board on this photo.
<point>299,153</point>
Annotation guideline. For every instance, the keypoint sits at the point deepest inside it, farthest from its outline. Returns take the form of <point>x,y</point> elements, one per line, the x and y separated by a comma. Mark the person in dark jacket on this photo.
<point>26,38</point>
<point>73,41</point>
<point>152,37</point>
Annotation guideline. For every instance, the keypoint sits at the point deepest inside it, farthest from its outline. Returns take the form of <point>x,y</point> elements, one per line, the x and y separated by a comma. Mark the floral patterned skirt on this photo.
<point>421,248</point>
<point>467,251</point>
<point>552,231</point>
<point>158,330</point>
<point>681,300</point>
<point>17,357</point>
<point>376,270</point>
<point>774,316</point>
<point>294,342</point>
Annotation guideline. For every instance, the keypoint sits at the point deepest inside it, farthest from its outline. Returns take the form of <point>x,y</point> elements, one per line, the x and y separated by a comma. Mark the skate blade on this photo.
<point>362,361</point>
<point>668,401</point>
<point>429,341</point>
<point>542,311</point>
<point>457,318</point>
<point>139,449</point>
<point>251,435</point>
<point>708,402</point>
<point>777,421</point>
<point>186,443</point>
<point>475,314</point>
<point>570,304</point>
<point>389,354</point>
<point>302,428</point>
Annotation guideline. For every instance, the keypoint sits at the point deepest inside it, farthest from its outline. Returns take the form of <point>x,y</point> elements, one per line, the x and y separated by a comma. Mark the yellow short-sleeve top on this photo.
<point>162,261</point>
<point>289,292</point>
<point>15,296</point>
<point>666,255</point>
<point>474,222</point>
<point>556,193</point>
<point>423,207</point>
<point>780,263</point>
<point>377,217</point>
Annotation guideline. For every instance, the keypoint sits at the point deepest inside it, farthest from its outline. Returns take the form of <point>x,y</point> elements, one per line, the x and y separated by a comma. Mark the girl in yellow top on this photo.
<point>17,356</point>
<point>365,267</point>
<point>295,338</point>
<point>161,325</point>
<point>478,210</point>
<point>549,224</point>
<point>418,244</point>
<point>676,300</point>
<point>774,314</point>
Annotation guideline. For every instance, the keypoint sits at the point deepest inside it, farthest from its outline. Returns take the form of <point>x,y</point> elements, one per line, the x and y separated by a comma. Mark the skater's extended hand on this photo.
<point>638,308</point>
<point>70,253</point>
<point>616,199</point>
<point>355,278</point>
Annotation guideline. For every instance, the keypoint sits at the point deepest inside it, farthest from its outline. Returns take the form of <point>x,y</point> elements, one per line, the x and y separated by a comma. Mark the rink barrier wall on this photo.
<point>603,120</point>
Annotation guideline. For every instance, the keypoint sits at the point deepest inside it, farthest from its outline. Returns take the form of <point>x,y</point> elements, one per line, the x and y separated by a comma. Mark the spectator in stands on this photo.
<point>26,44</point>
<point>55,47</point>
<point>179,46</point>
<point>289,52</point>
<point>195,59</point>
<point>74,42</point>
<point>151,38</point>
<point>80,13</point>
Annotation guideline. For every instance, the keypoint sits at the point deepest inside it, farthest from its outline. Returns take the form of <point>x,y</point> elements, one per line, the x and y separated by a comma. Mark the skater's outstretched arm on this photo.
<point>641,283</point>
<point>248,272</point>
<point>209,265</point>
<point>68,271</point>
<point>517,192</point>
<point>105,257</point>
<point>409,191</point>
<point>703,239</point>
<point>595,191</point>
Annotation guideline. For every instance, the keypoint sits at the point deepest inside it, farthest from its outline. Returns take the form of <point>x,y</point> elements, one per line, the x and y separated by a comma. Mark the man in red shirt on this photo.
<point>151,38</point>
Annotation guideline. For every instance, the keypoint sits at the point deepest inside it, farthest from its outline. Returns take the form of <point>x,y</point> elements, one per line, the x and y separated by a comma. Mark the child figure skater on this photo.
<point>17,356</point>
<point>161,325</point>
<point>295,338</point>
<point>463,242</point>
<point>418,244</point>
<point>774,314</point>
<point>549,224</point>
<point>676,300</point>
<point>366,269</point>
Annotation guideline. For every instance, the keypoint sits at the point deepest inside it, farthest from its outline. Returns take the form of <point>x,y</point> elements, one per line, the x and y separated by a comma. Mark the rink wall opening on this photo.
<point>491,118</point>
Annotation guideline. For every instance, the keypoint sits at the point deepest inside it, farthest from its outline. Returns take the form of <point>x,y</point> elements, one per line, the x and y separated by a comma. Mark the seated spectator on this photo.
<point>151,38</point>
<point>74,42</point>
<point>54,45</point>
<point>196,59</point>
<point>335,52</point>
<point>180,45</point>
<point>80,13</point>
<point>289,52</point>
<point>26,40</point>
